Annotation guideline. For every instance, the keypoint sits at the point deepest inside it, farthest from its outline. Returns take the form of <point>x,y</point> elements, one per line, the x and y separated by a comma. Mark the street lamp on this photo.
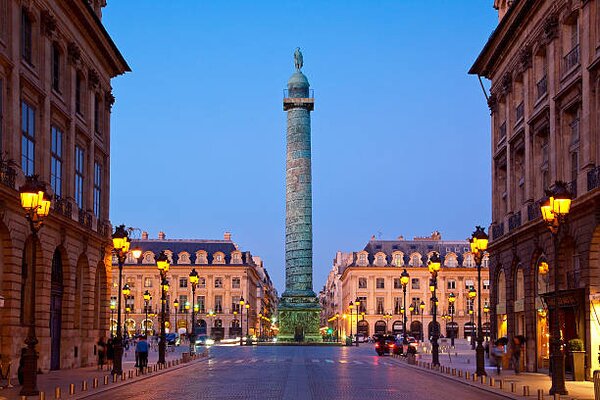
<point>451,300</point>
<point>435,264</point>
<point>479,243</point>
<point>387,316</point>
<point>113,306</point>
<point>194,279</point>
<point>351,306</point>
<point>248,341</point>
<point>422,311</point>
<point>357,304</point>
<point>147,298</point>
<point>404,279</point>
<point>486,311</point>
<point>36,210</point>
<point>242,302</point>
<point>554,211</point>
<point>121,244</point>
<point>126,292</point>
<point>187,309</point>
<point>162,263</point>
<point>472,294</point>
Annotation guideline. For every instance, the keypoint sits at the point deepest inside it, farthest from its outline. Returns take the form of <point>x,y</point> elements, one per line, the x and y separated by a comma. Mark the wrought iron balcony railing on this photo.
<point>514,221</point>
<point>571,60</point>
<point>7,174</point>
<point>542,87</point>
<point>593,178</point>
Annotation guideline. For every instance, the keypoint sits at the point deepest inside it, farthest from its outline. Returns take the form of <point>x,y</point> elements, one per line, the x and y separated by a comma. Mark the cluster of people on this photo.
<point>106,352</point>
<point>498,352</point>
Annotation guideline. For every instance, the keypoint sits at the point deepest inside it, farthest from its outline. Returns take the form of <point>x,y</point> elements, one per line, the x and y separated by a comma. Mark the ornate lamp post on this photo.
<point>357,304</point>
<point>351,307</point>
<point>486,311</point>
<point>422,311</point>
<point>147,298</point>
<point>404,279</point>
<point>554,212</point>
<point>387,316</point>
<point>126,292</point>
<point>451,300</point>
<point>248,340</point>
<point>411,308</point>
<point>472,294</point>
<point>434,267</point>
<point>337,326</point>
<point>113,306</point>
<point>479,243</point>
<point>194,279</point>
<point>163,265</point>
<point>242,302</point>
<point>176,307</point>
<point>36,210</point>
<point>187,309</point>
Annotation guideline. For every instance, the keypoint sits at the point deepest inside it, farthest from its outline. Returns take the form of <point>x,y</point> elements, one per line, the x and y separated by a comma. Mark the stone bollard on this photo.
<point>483,379</point>
<point>525,390</point>
<point>556,396</point>
<point>123,376</point>
<point>83,386</point>
<point>130,374</point>
<point>57,392</point>
<point>42,396</point>
<point>467,375</point>
<point>23,397</point>
<point>460,373</point>
<point>95,383</point>
<point>114,378</point>
<point>106,379</point>
<point>453,371</point>
<point>71,388</point>
<point>513,387</point>
<point>475,377</point>
<point>540,394</point>
<point>492,382</point>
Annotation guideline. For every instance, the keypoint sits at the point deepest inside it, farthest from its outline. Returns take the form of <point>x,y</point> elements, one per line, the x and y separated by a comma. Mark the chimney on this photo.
<point>161,235</point>
<point>227,236</point>
<point>144,235</point>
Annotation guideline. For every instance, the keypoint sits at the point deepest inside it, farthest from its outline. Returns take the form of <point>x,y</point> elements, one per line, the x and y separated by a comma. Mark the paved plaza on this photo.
<point>296,372</point>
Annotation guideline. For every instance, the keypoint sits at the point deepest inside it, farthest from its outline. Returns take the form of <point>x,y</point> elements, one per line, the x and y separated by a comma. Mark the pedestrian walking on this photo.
<point>141,350</point>
<point>110,352</point>
<point>498,353</point>
<point>515,354</point>
<point>101,353</point>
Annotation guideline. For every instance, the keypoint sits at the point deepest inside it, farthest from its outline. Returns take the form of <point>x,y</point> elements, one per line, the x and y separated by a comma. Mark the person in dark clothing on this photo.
<point>101,353</point>
<point>141,349</point>
<point>515,354</point>
<point>110,352</point>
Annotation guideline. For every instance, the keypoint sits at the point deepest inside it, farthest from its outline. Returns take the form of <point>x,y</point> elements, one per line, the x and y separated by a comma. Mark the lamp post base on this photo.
<point>118,354</point>
<point>30,370</point>
<point>558,375</point>
<point>480,358</point>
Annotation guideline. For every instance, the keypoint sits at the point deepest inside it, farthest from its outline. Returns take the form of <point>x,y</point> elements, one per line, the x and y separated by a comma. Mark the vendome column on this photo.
<point>299,307</point>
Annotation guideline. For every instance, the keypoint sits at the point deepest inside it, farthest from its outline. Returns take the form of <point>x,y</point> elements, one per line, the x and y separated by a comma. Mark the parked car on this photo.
<point>361,338</point>
<point>385,344</point>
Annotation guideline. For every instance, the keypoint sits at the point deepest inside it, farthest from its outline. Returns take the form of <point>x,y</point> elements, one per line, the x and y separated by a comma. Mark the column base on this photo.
<point>299,318</point>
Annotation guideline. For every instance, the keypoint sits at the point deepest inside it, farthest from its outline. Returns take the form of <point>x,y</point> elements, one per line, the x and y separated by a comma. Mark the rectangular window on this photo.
<point>78,93</point>
<point>235,282</point>
<point>27,139</point>
<point>380,283</point>
<point>469,284</point>
<point>486,284</point>
<point>416,302</point>
<point>363,304</point>
<point>56,160</point>
<point>25,36</point>
<point>79,175</point>
<point>470,305</point>
<point>218,282</point>
<point>362,283</point>
<point>202,283</point>
<point>397,305</point>
<point>380,306</point>
<point>56,67</point>
<point>397,283</point>
<point>147,282</point>
<point>97,188</point>
<point>451,284</point>
<point>183,282</point>
<point>451,310</point>
<point>182,300</point>
<point>3,18</point>
<point>201,303</point>
<point>1,109</point>
<point>219,304</point>
<point>574,165</point>
<point>97,114</point>
<point>130,280</point>
<point>415,283</point>
<point>235,304</point>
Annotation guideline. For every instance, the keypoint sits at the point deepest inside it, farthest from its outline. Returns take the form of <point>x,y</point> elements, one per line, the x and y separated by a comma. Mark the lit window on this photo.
<point>362,283</point>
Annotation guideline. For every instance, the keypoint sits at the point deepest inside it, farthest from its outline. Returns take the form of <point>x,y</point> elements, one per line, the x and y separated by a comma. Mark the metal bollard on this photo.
<point>492,382</point>
<point>123,376</point>
<point>525,390</point>
<point>42,396</point>
<point>460,373</point>
<point>114,378</point>
<point>83,386</point>
<point>501,384</point>
<point>95,383</point>
<point>483,379</point>
<point>71,388</point>
<point>556,396</point>
<point>57,392</point>
<point>540,394</point>
<point>130,374</point>
<point>513,387</point>
<point>467,375</point>
<point>106,379</point>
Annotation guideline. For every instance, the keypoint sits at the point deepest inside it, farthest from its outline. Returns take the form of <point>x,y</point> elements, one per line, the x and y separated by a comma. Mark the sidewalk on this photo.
<point>462,358</point>
<point>48,382</point>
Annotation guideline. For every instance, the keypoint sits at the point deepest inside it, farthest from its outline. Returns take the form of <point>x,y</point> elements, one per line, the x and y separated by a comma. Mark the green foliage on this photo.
<point>576,345</point>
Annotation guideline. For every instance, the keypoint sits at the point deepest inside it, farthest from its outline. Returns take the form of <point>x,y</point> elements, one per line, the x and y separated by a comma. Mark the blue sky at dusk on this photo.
<point>400,132</point>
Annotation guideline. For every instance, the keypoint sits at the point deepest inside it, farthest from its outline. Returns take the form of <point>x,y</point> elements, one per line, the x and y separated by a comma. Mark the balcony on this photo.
<point>572,187</point>
<point>85,218</point>
<point>497,230</point>
<point>63,206</point>
<point>514,221</point>
<point>571,60</point>
<point>520,112</point>
<point>542,87</point>
<point>7,174</point>
<point>533,211</point>
<point>501,133</point>
<point>593,178</point>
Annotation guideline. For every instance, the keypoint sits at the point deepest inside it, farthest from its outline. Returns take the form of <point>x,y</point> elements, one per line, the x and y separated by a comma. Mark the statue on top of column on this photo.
<point>298,60</point>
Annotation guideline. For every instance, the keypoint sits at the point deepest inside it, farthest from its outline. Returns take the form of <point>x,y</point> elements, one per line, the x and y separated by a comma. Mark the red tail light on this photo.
<point>391,344</point>
<point>376,344</point>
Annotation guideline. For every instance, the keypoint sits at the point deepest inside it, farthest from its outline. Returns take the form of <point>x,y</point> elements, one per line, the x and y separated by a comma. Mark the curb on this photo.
<point>472,381</point>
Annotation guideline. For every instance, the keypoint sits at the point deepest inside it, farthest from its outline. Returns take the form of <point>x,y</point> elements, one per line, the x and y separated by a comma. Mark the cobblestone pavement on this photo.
<point>296,372</point>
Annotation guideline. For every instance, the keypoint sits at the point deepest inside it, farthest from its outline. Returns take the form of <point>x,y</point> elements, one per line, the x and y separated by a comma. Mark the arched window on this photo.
<point>501,287</point>
<point>380,259</point>
<point>218,258</point>
<point>236,257</point>
<point>201,257</point>
<point>450,260</point>
<point>148,258</point>
<point>184,258</point>
<point>468,262</point>
<point>398,259</point>
<point>362,258</point>
<point>415,260</point>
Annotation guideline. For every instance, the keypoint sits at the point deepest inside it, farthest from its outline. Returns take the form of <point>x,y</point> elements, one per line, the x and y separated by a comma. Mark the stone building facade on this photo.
<point>225,275</point>
<point>373,276</point>
<point>56,65</point>
<point>543,63</point>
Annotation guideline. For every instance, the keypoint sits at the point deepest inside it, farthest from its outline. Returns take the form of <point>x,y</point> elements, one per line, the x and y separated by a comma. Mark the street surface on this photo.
<point>296,372</point>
